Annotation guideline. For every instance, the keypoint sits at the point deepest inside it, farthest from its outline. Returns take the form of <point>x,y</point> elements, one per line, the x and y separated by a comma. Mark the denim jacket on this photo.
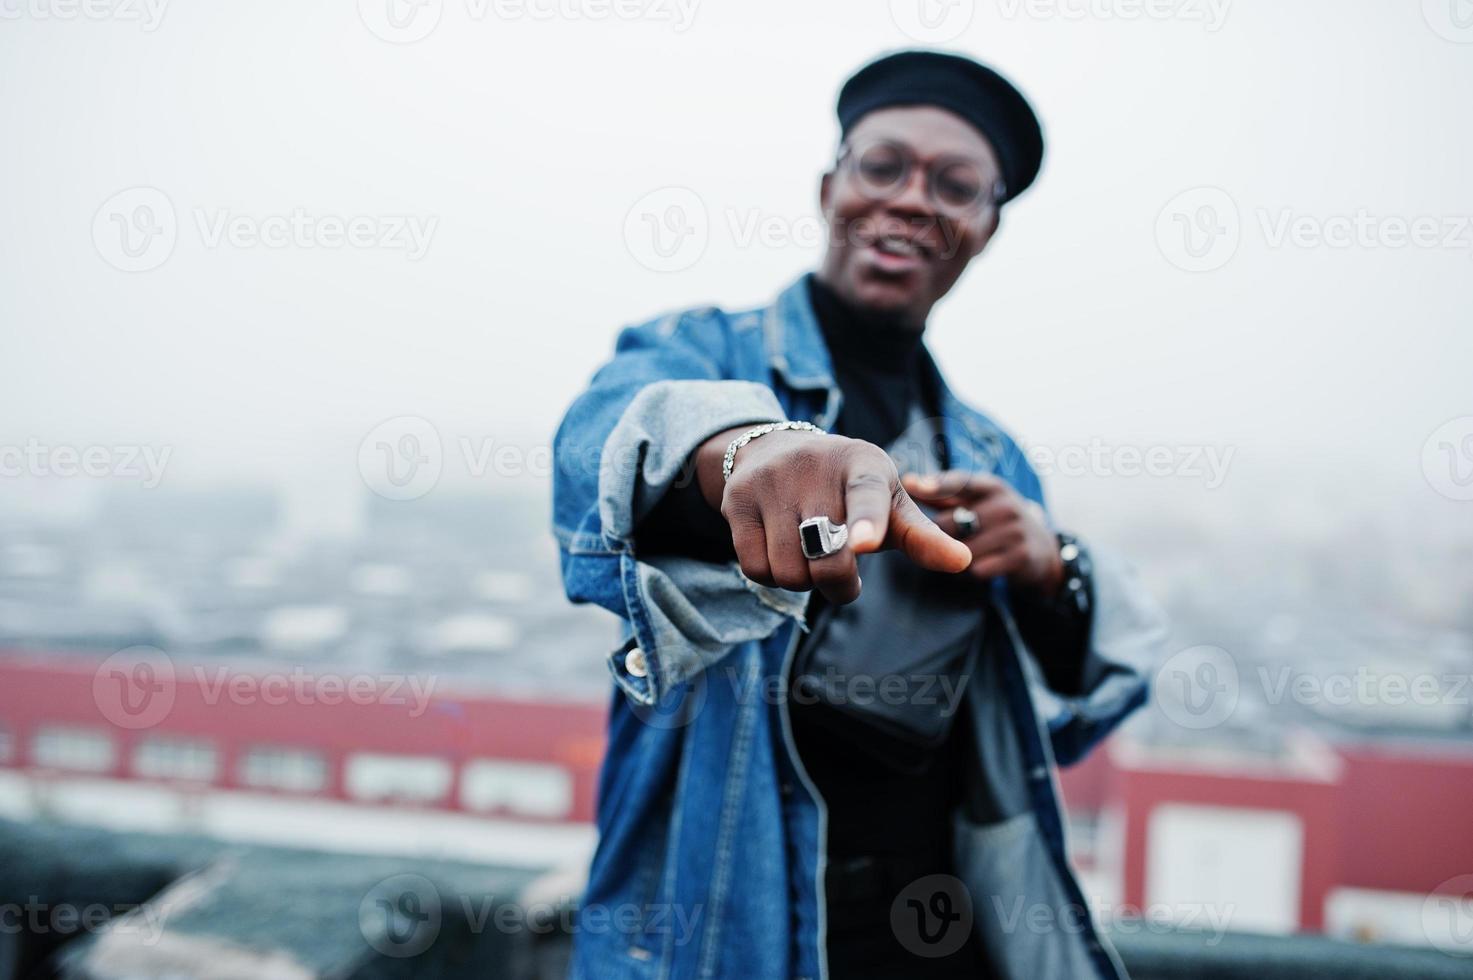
<point>711,853</point>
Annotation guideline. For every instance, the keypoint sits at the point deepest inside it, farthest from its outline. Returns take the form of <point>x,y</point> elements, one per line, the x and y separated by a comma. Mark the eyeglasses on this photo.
<point>957,185</point>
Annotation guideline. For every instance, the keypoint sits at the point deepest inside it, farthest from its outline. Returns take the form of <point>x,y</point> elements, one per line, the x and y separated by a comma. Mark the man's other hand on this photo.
<point>1012,537</point>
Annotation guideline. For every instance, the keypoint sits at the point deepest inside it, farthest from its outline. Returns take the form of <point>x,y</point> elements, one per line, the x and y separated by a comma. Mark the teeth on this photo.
<point>897,246</point>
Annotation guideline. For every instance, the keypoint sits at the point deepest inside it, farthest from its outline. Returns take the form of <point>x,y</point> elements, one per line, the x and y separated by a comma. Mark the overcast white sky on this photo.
<point>517,137</point>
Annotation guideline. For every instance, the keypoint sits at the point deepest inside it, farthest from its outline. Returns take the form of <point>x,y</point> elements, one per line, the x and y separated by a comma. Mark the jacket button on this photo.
<point>635,663</point>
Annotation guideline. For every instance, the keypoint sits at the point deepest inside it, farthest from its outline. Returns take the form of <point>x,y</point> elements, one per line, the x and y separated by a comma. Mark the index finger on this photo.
<point>881,514</point>
<point>868,495</point>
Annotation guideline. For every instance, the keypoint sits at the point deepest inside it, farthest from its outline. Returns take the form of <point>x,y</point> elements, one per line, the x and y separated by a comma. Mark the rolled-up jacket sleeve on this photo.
<point>1127,637</point>
<point>621,446</point>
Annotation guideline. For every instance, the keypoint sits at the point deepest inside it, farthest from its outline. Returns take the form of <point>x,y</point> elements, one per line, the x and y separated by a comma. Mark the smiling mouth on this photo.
<point>895,257</point>
<point>899,247</point>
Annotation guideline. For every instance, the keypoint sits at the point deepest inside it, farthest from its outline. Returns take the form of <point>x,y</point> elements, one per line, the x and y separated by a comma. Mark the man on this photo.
<point>723,484</point>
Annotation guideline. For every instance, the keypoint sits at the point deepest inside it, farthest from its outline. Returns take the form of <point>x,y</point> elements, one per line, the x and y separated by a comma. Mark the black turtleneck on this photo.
<point>877,366</point>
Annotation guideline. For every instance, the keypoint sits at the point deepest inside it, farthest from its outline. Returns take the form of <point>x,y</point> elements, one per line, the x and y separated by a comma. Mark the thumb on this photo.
<point>918,536</point>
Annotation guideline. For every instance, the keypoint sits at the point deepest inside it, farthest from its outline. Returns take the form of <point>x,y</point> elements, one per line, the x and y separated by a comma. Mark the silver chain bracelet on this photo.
<point>731,450</point>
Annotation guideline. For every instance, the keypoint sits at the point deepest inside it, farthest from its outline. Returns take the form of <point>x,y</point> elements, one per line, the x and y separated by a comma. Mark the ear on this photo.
<point>825,191</point>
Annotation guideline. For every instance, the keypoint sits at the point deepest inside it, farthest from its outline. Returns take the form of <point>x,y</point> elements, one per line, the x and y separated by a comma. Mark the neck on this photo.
<point>882,339</point>
<point>904,319</point>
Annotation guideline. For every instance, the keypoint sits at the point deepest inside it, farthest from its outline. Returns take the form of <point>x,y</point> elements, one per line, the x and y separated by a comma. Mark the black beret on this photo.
<point>976,93</point>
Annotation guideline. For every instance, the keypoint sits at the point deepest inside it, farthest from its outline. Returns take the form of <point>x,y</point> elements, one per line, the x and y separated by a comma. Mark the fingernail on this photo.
<point>864,532</point>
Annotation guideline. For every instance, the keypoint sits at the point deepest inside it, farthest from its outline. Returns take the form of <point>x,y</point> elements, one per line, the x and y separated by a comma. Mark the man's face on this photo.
<point>898,244</point>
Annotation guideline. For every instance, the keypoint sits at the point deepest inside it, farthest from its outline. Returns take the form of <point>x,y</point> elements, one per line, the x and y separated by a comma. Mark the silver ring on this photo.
<point>821,537</point>
<point>965,520</point>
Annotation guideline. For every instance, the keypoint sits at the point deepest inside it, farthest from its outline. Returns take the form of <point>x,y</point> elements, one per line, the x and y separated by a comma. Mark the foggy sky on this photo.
<point>519,142</point>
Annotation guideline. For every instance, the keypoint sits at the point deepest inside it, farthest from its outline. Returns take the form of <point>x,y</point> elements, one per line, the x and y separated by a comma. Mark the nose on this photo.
<point>913,197</point>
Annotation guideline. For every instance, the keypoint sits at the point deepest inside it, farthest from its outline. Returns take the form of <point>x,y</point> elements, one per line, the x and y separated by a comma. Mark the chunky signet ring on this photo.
<point>966,522</point>
<point>822,537</point>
